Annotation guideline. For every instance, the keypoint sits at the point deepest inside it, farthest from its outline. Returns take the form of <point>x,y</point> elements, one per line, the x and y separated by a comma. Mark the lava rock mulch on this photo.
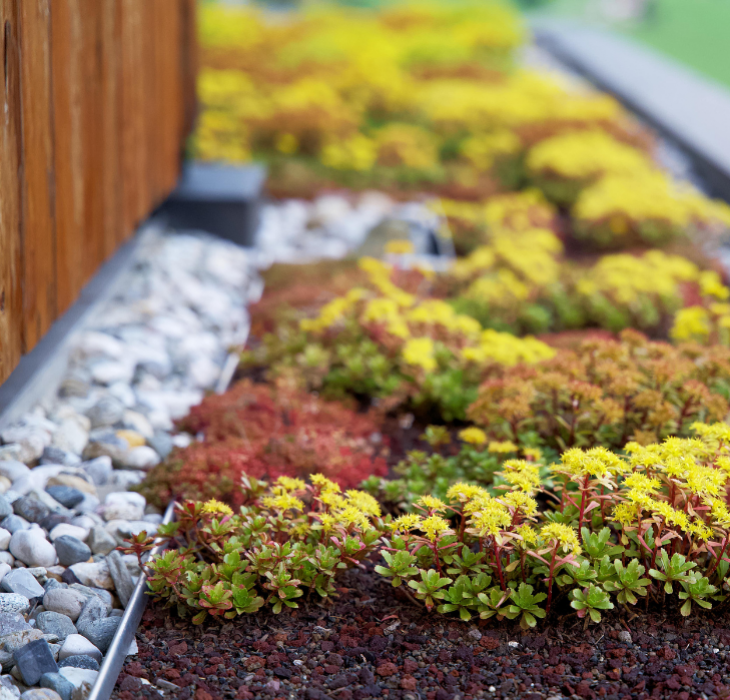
<point>372,642</point>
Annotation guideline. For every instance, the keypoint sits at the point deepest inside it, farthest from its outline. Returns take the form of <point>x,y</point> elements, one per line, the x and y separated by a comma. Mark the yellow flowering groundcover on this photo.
<point>430,97</point>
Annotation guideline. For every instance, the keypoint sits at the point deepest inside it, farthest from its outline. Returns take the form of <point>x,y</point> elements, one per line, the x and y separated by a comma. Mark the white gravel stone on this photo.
<point>121,505</point>
<point>32,548</point>
<point>76,645</point>
<point>79,676</point>
<point>79,533</point>
<point>143,458</point>
<point>13,469</point>
<point>4,539</point>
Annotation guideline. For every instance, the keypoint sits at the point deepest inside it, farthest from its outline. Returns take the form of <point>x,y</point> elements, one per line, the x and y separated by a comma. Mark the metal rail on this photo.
<point>117,652</point>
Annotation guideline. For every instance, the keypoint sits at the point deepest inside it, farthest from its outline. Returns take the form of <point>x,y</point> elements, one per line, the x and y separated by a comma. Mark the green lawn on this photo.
<point>695,32</point>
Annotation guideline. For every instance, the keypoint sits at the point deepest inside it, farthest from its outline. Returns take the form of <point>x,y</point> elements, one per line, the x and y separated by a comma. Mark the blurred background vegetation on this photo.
<point>694,32</point>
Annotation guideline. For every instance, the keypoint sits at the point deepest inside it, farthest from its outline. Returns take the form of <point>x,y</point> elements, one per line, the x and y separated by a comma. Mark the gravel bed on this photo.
<point>373,643</point>
<point>66,466</point>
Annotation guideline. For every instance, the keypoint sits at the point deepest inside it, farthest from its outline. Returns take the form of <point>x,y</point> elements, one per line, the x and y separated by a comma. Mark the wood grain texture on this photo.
<point>11,309</point>
<point>133,119</point>
<point>67,58</point>
<point>111,138</point>
<point>37,182</point>
<point>96,102</point>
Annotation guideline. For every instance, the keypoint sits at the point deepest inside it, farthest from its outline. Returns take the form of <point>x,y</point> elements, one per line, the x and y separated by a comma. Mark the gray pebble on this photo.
<point>55,623</point>
<point>99,469</point>
<point>55,455</point>
<point>80,661</point>
<point>13,603</point>
<point>55,681</point>
<point>13,523</point>
<point>23,582</point>
<point>6,507</point>
<point>66,602</point>
<point>31,509</point>
<point>93,611</point>
<point>100,541</point>
<point>66,495</point>
<point>76,645</point>
<point>40,694</point>
<point>71,550</point>
<point>101,632</point>
<point>33,660</point>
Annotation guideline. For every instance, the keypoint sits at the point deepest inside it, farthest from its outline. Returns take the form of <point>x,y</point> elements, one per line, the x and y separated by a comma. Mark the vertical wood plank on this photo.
<point>67,57</point>
<point>11,303</point>
<point>133,142</point>
<point>91,137</point>
<point>190,57</point>
<point>38,225</point>
<point>111,103</point>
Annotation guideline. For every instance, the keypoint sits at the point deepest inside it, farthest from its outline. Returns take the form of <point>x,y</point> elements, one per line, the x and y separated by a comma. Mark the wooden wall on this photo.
<point>98,97</point>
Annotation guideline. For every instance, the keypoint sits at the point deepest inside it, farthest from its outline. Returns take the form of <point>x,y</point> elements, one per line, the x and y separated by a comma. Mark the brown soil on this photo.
<point>372,642</point>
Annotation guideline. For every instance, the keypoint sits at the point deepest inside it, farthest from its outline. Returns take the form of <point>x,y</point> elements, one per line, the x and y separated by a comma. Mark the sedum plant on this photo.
<point>287,540</point>
<point>606,393</point>
<point>651,524</point>
<point>476,460</point>
<point>383,343</point>
<point>265,431</point>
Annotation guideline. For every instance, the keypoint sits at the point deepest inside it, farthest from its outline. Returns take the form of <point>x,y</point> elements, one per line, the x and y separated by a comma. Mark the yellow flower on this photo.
<point>533,453</point>
<point>489,516</point>
<point>430,503</point>
<point>699,530</point>
<point>692,322</point>
<point>325,484</point>
<point>502,447</point>
<point>520,501</point>
<point>289,484</point>
<point>434,527</point>
<point>522,474</point>
<point>642,483</point>
<point>585,154</point>
<point>333,499</point>
<point>465,492</point>
<point>563,535</point>
<point>216,508</point>
<point>711,285</point>
<point>283,502</point>
<point>406,523</point>
<point>472,435</point>
<point>328,521</point>
<point>528,535</point>
<point>420,352</point>
<point>364,502</point>
<point>350,516</point>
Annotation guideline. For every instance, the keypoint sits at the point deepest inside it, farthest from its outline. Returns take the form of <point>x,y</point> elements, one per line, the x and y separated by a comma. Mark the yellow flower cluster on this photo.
<point>625,278</point>
<point>423,325</point>
<point>584,156</point>
<point>709,322</point>
<point>473,436</point>
<point>647,203</point>
<point>354,509</point>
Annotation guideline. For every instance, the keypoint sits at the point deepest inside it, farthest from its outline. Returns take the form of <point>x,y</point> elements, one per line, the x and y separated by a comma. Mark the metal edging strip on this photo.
<point>117,652</point>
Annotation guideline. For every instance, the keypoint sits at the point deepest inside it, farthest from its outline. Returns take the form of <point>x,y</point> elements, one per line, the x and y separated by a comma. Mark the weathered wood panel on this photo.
<point>11,310</point>
<point>37,181</point>
<point>96,105</point>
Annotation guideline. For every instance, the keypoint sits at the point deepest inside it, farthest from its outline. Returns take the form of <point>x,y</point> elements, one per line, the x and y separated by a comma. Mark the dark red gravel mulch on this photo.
<point>372,642</point>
